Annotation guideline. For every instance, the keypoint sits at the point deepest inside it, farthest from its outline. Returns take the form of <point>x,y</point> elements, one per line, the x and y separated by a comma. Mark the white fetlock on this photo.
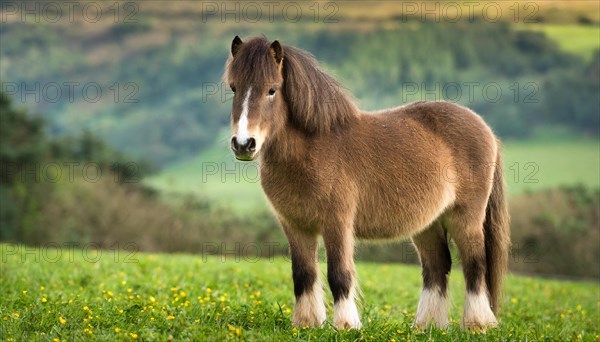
<point>432,309</point>
<point>346,315</point>
<point>478,314</point>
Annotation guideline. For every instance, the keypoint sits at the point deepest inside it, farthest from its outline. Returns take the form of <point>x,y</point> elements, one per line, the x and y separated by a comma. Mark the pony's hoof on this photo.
<point>479,325</point>
<point>348,324</point>
<point>302,321</point>
<point>423,325</point>
<point>345,315</point>
<point>306,323</point>
<point>477,315</point>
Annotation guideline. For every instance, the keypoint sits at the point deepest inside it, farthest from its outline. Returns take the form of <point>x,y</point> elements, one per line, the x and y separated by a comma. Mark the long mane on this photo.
<point>317,102</point>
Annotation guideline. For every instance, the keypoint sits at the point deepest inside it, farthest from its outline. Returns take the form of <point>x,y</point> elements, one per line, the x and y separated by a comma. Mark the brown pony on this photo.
<point>428,171</point>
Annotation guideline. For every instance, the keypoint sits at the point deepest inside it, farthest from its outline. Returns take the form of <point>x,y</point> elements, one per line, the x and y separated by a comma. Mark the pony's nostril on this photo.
<point>234,144</point>
<point>251,145</point>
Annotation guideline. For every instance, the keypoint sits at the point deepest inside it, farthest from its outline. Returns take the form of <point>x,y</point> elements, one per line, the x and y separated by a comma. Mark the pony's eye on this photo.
<point>232,88</point>
<point>271,91</point>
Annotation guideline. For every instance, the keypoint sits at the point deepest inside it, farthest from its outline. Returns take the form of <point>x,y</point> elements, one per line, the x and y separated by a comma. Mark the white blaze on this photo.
<point>242,134</point>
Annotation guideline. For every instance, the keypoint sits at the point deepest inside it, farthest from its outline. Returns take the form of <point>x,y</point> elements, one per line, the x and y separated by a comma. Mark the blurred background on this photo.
<point>114,121</point>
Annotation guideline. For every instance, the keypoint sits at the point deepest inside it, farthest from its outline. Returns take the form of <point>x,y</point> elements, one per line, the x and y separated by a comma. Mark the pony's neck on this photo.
<point>289,146</point>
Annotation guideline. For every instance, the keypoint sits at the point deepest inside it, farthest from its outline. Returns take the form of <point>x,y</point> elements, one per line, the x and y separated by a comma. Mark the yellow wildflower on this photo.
<point>117,330</point>
<point>62,320</point>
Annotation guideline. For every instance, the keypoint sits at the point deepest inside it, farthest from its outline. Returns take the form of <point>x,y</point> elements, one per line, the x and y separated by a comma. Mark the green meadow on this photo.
<point>540,163</point>
<point>85,294</point>
<point>536,165</point>
<point>581,40</point>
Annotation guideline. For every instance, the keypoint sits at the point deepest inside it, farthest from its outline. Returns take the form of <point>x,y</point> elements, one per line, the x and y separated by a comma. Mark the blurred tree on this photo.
<point>22,139</point>
<point>572,97</point>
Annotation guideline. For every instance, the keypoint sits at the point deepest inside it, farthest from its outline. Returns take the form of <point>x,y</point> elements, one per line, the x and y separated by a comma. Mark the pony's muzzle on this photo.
<point>243,150</point>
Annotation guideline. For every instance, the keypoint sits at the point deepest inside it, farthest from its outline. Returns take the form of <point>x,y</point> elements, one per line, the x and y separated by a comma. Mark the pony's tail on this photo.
<point>497,236</point>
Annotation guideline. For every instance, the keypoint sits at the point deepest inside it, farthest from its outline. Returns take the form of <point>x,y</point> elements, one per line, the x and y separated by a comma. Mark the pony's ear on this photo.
<point>276,51</point>
<point>236,44</point>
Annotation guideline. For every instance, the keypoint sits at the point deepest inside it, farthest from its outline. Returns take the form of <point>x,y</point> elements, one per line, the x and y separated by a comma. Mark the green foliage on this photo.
<point>580,108</point>
<point>121,294</point>
<point>22,145</point>
<point>35,169</point>
<point>22,139</point>
<point>556,232</point>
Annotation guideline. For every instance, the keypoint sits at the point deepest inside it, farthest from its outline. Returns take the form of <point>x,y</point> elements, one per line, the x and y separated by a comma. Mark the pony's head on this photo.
<point>254,73</point>
<point>277,88</point>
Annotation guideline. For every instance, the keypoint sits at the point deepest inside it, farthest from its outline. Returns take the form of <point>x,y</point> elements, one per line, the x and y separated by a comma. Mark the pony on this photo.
<point>428,171</point>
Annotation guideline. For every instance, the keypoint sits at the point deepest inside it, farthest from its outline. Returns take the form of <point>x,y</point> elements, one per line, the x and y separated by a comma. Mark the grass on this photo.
<point>579,39</point>
<point>83,294</point>
<point>543,164</point>
<point>549,160</point>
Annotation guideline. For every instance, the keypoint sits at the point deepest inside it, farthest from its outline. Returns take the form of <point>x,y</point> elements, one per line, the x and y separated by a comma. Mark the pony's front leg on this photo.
<point>310,307</point>
<point>341,275</point>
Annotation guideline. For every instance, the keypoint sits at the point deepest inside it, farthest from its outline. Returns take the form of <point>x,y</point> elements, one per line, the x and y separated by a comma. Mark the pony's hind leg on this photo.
<point>310,306</point>
<point>341,275</point>
<point>466,229</point>
<point>432,246</point>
